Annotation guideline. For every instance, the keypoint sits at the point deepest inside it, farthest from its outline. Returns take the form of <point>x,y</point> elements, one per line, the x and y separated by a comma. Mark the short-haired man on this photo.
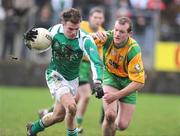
<point>68,46</point>
<point>123,75</point>
<point>94,24</point>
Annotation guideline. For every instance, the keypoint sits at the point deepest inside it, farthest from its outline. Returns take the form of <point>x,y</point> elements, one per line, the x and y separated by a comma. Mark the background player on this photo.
<point>94,24</point>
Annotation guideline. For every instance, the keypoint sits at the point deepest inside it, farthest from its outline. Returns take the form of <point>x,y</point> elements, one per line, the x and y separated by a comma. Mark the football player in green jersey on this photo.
<point>94,24</point>
<point>123,75</point>
<point>68,46</point>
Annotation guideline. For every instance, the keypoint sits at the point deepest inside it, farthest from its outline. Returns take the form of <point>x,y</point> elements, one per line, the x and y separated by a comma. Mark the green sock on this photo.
<point>37,127</point>
<point>72,132</point>
<point>79,120</point>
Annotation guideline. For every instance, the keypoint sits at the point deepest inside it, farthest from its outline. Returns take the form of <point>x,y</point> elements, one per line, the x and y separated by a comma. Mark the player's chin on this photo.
<point>117,41</point>
<point>72,36</point>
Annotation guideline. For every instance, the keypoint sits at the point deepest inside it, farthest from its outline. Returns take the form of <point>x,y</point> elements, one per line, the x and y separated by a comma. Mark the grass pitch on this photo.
<point>155,115</point>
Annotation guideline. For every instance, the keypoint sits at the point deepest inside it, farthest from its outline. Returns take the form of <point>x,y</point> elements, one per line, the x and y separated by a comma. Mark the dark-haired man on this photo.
<point>68,46</point>
<point>93,24</point>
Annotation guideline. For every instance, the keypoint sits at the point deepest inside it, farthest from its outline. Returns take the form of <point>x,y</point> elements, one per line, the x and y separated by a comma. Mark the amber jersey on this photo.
<point>125,61</point>
<point>85,27</point>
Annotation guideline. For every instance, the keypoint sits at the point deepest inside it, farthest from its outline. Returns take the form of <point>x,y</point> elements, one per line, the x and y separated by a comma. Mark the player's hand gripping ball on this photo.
<point>38,39</point>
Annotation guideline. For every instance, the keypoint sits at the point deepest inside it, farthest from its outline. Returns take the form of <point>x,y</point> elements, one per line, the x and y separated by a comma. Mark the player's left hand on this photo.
<point>109,97</point>
<point>98,90</point>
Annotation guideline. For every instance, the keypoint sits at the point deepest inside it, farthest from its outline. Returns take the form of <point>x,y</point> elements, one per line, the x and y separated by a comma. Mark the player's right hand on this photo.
<point>31,34</point>
<point>102,36</point>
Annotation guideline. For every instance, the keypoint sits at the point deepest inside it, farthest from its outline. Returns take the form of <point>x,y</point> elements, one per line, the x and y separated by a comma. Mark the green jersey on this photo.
<point>67,54</point>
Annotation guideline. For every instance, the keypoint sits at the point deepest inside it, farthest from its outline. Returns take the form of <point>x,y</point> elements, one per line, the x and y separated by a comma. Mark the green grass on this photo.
<point>156,115</point>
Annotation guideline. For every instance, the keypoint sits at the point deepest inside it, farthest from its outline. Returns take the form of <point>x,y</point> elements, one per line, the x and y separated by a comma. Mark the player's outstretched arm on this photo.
<point>91,51</point>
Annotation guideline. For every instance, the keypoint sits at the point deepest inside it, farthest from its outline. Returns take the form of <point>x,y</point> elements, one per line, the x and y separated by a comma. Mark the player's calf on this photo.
<point>122,126</point>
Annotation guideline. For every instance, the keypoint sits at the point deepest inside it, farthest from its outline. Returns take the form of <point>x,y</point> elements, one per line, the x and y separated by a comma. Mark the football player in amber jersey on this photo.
<point>123,75</point>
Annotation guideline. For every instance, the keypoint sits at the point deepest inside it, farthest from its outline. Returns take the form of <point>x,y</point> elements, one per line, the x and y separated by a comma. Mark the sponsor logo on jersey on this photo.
<point>56,45</point>
<point>114,64</point>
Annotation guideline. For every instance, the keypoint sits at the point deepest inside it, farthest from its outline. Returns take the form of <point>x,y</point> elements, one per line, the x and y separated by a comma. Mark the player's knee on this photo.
<point>122,125</point>
<point>110,116</point>
<point>72,109</point>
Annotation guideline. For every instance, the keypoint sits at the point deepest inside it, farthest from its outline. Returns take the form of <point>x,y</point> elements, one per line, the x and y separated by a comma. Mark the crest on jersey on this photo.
<point>56,45</point>
<point>138,67</point>
<point>121,58</point>
<point>91,49</point>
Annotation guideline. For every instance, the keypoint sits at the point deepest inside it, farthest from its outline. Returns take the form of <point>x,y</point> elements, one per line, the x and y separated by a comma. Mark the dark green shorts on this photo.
<point>85,72</point>
<point>119,83</point>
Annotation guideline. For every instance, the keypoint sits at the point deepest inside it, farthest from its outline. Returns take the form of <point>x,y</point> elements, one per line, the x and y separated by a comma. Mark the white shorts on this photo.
<point>59,86</point>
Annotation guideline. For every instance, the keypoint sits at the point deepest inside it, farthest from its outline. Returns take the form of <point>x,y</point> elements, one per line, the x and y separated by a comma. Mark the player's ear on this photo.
<point>63,22</point>
<point>89,18</point>
<point>130,33</point>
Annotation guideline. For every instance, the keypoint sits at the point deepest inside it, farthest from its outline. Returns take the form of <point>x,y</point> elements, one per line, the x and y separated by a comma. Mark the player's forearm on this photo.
<point>97,71</point>
<point>94,58</point>
<point>132,87</point>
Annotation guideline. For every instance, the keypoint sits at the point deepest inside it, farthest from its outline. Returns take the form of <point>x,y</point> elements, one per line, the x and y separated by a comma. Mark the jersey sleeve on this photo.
<point>91,52</point>
<point>54,29</point>
<point>135,65</point>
